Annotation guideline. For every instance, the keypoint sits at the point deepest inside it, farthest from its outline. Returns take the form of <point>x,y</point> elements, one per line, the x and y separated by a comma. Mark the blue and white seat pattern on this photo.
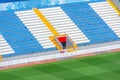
<point>5,48</point>
<point>22,32</point>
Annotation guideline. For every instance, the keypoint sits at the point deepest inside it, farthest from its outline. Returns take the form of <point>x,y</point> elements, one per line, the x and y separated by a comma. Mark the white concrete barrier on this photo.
<point>57,55</point>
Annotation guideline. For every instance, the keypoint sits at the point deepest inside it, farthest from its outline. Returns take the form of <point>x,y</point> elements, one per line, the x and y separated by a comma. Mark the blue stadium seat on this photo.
<point>90,23</point>
<point>87,20</point>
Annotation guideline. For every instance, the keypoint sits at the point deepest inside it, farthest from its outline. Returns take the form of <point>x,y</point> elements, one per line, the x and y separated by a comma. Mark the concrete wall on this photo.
<point>34,58</point>
<point>117,3</point>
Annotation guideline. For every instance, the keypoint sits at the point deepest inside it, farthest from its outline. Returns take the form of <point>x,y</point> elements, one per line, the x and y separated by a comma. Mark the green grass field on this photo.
<point>100,67</point>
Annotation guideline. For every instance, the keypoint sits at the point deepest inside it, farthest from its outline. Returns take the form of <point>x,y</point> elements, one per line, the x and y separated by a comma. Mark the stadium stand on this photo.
<point>36,27</point>
<point>108,14</point>
<point>92,25</point>
<point>84,22</point>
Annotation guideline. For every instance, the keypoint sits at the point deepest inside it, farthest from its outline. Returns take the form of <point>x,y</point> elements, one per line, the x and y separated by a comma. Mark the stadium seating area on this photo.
<point>108,15</point>
<point>90,23</point>
<point>85,22</point>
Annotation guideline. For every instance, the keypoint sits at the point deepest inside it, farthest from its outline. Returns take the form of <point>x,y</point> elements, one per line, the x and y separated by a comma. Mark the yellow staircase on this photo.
<point>52,29</point>
<point>52,38</point>
<point>45,21</point>
<point>114,6</point>
<point>1,58</point>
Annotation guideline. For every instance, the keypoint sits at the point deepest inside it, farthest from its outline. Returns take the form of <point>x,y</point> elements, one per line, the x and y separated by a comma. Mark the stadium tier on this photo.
<point>25,32</point>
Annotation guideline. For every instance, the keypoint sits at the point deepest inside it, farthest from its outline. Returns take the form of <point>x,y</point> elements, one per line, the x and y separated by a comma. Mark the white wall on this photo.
<point>58,55</point>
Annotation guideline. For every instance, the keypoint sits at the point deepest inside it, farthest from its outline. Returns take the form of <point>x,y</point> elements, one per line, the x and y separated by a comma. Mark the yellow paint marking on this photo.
<point>52,29</point>
<point>114,6</point>
<point>1,58</point>
<point>45,21</point>
<point>52,38</point>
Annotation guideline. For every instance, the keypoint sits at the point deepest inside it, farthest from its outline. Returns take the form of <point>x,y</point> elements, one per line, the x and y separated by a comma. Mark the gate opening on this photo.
<point>64,42</point>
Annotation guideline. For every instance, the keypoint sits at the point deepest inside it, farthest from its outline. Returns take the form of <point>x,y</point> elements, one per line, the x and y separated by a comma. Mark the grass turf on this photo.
<point>99,67</point>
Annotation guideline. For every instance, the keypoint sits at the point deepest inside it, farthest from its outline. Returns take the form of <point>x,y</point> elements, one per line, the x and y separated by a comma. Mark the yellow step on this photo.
<point>45,21</point>
<point>52,29</point>
<point>114,6</point>
<point>1,58</point>
<point>55,43</point>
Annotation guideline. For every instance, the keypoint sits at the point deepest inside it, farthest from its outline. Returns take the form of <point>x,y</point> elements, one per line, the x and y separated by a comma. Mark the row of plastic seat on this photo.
<point>106,16</point>
<point>4,46</point>
<point>91,25</point>
<point>57,21</point>
<point>76,15</point>
<point>18,36</point>
<point>23,35</point>
<point>39,34</point>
